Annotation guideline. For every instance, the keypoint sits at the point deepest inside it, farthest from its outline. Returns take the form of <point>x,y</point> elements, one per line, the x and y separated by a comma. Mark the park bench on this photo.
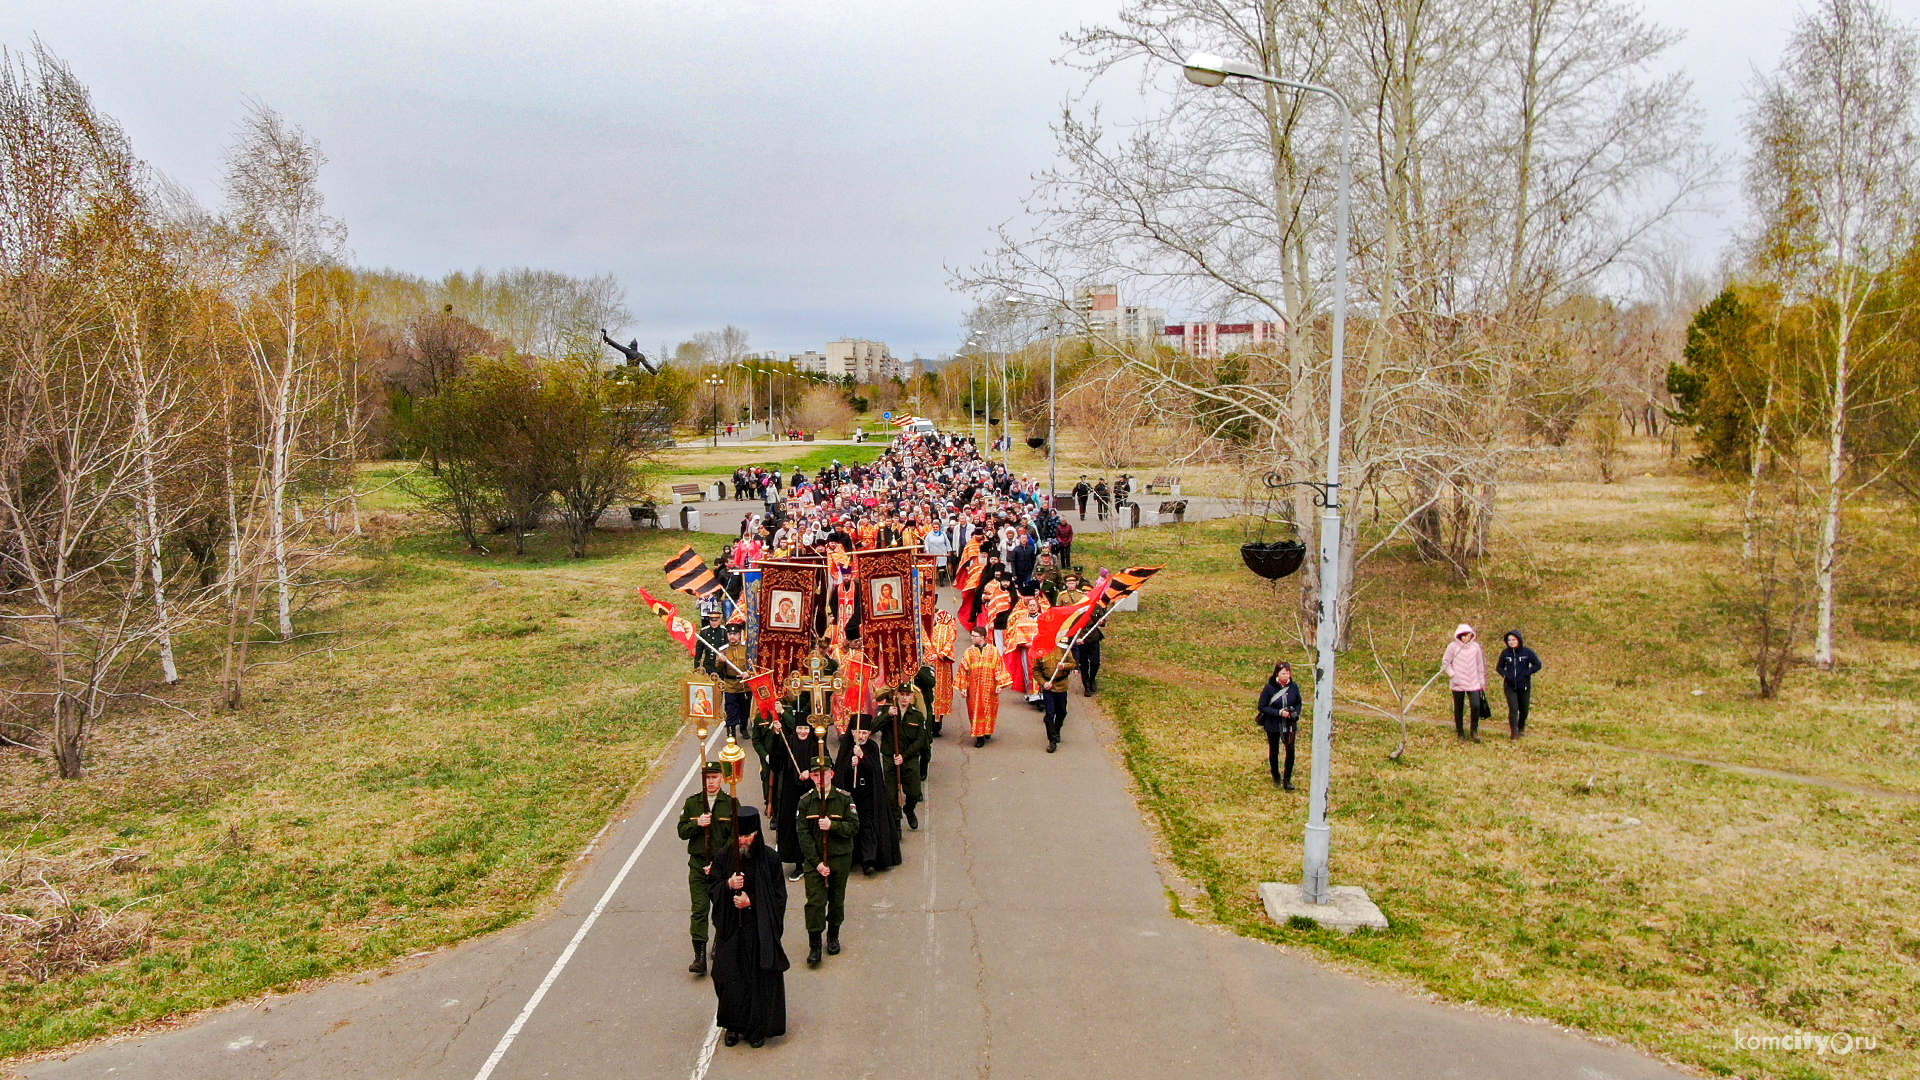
<point>1174,508</point>
<point>1166,485</point>
<point>688,492</point>
<point>645,514</point>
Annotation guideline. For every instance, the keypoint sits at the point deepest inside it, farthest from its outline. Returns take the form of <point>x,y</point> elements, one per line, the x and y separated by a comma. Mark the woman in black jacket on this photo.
<point>1517,666</point>
<point>1280,716</point>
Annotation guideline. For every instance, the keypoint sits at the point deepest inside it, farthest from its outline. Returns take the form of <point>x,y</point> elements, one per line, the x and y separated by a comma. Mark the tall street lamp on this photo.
<point>716,382</point>
<point>1053,412</point>
<point>1208,70</point>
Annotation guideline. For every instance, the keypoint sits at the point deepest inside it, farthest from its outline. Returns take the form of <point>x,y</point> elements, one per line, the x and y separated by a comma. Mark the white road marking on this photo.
<point>559,965</point>
<point>706,1053</point>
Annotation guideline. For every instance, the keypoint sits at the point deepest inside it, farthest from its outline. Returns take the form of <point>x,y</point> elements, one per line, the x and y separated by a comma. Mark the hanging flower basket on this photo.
<point>1036,442</point>
<point>1275,560</point>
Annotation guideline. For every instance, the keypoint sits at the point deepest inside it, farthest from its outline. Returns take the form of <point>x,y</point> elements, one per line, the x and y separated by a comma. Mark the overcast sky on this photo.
<point>806,170</point>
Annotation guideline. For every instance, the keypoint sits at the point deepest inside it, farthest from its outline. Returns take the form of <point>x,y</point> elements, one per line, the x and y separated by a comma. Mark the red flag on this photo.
<point>765,697</point>
<point>858,673</point>
<point>677,628</point>
<point>1060,622</point>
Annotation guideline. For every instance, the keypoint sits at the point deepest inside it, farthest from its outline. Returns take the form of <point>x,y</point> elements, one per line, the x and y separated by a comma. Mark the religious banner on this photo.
<point>788,607</point>
<point>766,694</point>
<point>750,607</point>
<point>889,615</point>
<point>929,593</point>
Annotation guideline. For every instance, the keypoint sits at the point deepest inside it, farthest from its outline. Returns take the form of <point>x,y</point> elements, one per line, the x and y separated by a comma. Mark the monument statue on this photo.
<point>631,351</point>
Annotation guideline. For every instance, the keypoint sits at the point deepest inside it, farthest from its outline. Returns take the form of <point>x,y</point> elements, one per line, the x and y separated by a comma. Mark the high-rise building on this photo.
<point>863,361</point>
<point>1102,313</point>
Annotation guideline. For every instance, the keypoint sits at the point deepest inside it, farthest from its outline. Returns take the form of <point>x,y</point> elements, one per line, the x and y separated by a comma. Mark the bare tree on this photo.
<point>272,178</point>
<point>1833,183</point>
<point>1222,201</point>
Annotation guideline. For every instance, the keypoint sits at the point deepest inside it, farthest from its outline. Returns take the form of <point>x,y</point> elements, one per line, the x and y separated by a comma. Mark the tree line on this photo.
<point>186,391</point>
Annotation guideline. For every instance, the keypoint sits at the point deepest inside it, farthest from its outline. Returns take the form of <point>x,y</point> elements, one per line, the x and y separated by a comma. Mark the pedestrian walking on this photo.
<point>1517,666</point>
<point>1279,716</point>
<point>1050,675</point>
<point>1081,491</point>
<point>749,898</point>
<point>1101,496</point>
<point>1465,663</point>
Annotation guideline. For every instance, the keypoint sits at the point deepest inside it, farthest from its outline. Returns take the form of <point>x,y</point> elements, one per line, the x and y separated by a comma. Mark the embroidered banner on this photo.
<point>888,601</point>
<point>788,616</point>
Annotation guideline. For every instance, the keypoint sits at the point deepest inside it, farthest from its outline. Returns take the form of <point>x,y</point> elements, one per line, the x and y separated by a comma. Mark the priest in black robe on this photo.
<point>864,772</point>
<point>749,911</point>
<point>790,754</point>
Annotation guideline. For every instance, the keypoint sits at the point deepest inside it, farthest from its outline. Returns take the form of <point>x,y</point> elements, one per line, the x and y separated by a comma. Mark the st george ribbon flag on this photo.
<point>677,628</point>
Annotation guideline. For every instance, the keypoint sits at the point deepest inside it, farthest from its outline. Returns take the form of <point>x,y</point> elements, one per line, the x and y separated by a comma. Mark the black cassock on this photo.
<point>871,784</point>
<point>747,957</point>
<point>790,760</point>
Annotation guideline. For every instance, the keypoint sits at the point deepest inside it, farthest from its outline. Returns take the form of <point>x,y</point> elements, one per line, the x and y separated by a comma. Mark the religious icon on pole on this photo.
<point>699,695</point>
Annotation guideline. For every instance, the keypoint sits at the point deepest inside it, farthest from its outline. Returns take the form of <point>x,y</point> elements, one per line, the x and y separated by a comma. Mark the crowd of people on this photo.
<point>843,771</point>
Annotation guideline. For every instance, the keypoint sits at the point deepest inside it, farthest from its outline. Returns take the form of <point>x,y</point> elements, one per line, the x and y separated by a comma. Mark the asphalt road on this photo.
<point>1028,935</point>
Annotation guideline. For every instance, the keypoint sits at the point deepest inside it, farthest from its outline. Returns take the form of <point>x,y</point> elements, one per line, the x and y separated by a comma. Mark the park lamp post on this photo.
<point>1053,412</point>
<point>1207,70</point>
<point>973,426</point>
<point>715,381</point>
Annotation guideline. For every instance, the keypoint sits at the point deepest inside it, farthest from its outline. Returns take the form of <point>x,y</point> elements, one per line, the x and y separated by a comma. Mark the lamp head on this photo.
<point>1206,69</point>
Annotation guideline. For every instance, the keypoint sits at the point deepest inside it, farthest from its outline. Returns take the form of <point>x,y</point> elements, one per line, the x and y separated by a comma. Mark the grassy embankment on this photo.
<point>1568,876</point>
<point>428,783</point>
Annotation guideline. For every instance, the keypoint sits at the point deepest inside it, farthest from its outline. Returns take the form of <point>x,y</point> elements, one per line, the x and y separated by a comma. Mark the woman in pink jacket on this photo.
<point>1466,666</point>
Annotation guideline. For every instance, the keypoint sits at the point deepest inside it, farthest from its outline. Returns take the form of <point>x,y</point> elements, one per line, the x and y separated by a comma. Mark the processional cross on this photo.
<point>815,681</point>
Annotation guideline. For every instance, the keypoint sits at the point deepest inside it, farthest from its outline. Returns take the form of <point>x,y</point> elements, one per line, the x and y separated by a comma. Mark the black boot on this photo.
<point>979,741</point>
<point>699,965</point>
<point>813,948</point>
<point>833,939</point>
<point>793,872</point>
<point>733,1038</point>
<point>913,821</point>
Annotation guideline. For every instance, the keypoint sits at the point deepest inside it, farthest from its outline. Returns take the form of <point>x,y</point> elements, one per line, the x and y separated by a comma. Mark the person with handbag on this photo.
<point>1466,666</point>
<point>1280,717</point>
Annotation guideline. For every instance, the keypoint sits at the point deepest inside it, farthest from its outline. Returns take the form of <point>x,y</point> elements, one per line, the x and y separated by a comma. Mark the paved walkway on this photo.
<point>1027,936</point>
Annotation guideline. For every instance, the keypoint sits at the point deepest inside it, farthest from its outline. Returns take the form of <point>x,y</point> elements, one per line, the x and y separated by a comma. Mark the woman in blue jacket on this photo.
<point>1517,666</point>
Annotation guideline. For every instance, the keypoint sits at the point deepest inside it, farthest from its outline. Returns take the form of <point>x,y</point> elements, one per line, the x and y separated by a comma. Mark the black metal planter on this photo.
<point>1036,442</point>
<point>1275,560</point>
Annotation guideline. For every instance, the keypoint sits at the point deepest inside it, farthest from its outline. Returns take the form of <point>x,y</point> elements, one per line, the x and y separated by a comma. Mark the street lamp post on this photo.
<point>715,382</point>
<point>1208,70</point>
<point>1053,412</point>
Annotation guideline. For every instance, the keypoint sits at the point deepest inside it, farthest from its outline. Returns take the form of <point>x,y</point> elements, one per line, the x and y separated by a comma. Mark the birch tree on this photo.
<point>1832,181</point>
<point>273,192</point>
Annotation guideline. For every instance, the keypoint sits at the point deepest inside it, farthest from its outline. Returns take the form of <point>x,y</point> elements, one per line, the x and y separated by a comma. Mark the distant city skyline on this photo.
<point>808,172</point>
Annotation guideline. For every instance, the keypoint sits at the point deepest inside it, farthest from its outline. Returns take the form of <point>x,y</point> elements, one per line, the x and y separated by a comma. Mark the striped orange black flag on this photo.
<point>1122,584</point>
<point>688,573</point>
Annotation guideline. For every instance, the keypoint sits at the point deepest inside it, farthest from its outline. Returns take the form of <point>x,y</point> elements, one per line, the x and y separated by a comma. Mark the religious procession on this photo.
<point>839,630</point>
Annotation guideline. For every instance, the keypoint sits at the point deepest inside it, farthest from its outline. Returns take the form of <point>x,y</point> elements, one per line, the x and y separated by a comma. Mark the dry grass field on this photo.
<point>1575,875</point>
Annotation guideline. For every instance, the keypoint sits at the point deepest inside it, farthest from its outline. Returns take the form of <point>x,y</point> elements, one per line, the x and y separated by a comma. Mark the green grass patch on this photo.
<point>1564,876</point>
